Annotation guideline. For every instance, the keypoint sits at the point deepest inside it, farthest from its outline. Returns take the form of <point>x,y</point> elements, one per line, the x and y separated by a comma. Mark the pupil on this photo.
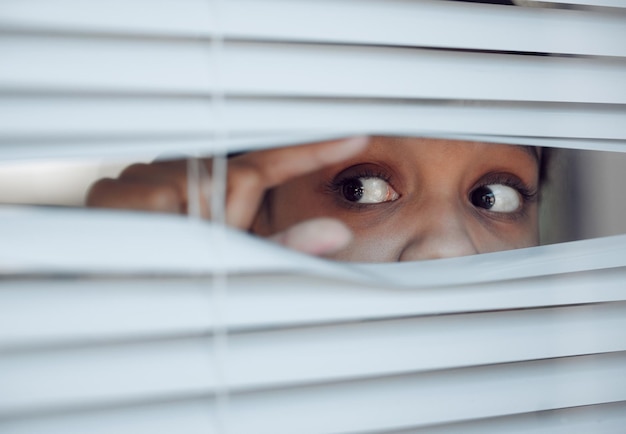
<point>353,190</point>
<point>483,197</point>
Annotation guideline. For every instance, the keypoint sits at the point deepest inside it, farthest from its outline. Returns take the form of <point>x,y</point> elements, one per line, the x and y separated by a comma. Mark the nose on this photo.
<point>442,233</point>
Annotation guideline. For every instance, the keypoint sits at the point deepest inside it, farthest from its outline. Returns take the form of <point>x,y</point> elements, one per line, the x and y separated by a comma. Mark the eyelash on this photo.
<point>527,193</point>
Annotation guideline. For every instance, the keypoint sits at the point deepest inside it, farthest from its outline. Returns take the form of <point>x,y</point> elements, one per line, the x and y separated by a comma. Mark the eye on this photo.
<point>368,190</point>
<point>496,198</point>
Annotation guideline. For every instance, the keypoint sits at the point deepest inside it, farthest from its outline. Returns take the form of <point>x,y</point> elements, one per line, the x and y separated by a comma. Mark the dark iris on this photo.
<point>483,197</point>
<point>353,190</point>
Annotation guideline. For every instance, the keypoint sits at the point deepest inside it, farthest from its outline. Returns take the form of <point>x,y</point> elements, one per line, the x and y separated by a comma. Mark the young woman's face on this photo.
<point>409,199</point>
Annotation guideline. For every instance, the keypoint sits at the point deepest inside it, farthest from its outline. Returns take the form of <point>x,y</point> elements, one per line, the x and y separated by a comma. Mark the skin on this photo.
<point>295,196</point>
<point>433,216</point>
<point>162,187</point>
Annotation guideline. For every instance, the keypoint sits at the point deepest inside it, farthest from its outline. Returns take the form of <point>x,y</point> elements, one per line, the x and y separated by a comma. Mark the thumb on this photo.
<point>318,237</point>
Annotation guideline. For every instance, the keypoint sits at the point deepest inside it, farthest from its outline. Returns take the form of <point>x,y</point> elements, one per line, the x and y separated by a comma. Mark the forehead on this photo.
<point>447,148</point>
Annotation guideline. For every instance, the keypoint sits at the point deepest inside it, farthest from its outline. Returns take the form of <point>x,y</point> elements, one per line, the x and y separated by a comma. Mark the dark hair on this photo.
<point>545,160</point>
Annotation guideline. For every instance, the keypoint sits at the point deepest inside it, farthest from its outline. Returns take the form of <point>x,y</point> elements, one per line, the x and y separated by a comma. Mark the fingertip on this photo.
<point>319,237</point>
<point>93,195</point>
<point>350,146</point>
<point>358,140</point>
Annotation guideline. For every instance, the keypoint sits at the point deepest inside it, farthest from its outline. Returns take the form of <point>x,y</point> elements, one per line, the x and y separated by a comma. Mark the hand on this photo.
<point>162,186</point>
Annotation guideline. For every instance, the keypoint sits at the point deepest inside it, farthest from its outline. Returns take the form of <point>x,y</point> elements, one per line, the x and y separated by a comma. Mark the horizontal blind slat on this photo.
<point>353,351</point>
<point>35,234</point>
<point>380,72</point>
<point>166,18</point>
<point>36,314</point>
<point>147,146</point>
<point>436,397</point>
<point>196,416</point>
<point>99,65</point>
<point>188,416</point>
<point>604,418</point>
<point>105,375</point>
<point>41,119</point>
<point>271,360</point>
<point>476,26</point>
<point>106,231</point>
<point>445,396</point>
<point>184,68</point>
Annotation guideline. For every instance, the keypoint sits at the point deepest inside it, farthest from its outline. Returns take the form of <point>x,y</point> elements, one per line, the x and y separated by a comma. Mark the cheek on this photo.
<point>376,244</point>
<point>501,236</point>
<point>377,235</point>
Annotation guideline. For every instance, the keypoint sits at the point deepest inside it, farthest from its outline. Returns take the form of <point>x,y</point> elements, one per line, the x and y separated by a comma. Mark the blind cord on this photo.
<point>217,201</point>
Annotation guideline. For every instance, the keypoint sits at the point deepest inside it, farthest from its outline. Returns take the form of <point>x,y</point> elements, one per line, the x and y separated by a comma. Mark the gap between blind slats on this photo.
<point>306,356</point>
<point>35,314</point>
<point>41,119</point>
<point>591,145</point>
<point>619,4</point>
<point>178,147</point>
<point>441,397</point>
<point>475,26</point>
<point>97,65</point>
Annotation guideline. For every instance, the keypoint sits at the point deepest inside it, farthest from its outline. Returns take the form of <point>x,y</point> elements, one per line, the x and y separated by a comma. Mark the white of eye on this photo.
<point>376,190</point>
<point>507,199</point>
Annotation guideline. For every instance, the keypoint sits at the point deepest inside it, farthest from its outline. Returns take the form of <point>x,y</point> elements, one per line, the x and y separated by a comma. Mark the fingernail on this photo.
<point>352,145</point>
<point>357,140</point>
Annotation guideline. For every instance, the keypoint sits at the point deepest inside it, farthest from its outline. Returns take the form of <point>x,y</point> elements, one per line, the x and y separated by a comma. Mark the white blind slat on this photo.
<point>121,330</point>
<point>563,382</point>
<point>196,416</point>
<point>57,118</point>
<point>149,145</point>
<point>287,358</point>
<point>188,416</point>
<point>103,65</point>
<point>476,26</point>
<point>84,64</point>
<point>187,253</point>
<point>105,375</point>
<point>607,419</point>
<point>433,397</point>
<point>34,313</point>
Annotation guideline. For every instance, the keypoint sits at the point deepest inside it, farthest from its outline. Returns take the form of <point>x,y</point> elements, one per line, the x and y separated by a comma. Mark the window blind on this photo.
<point>106,327</point>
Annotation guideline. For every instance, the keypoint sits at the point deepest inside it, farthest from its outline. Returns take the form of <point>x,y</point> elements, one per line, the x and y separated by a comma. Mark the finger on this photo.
<point>319,237</point>
<point>276,166</point>
<point>250,175</point>
<point>111,193</point>
<point>173,174</point>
